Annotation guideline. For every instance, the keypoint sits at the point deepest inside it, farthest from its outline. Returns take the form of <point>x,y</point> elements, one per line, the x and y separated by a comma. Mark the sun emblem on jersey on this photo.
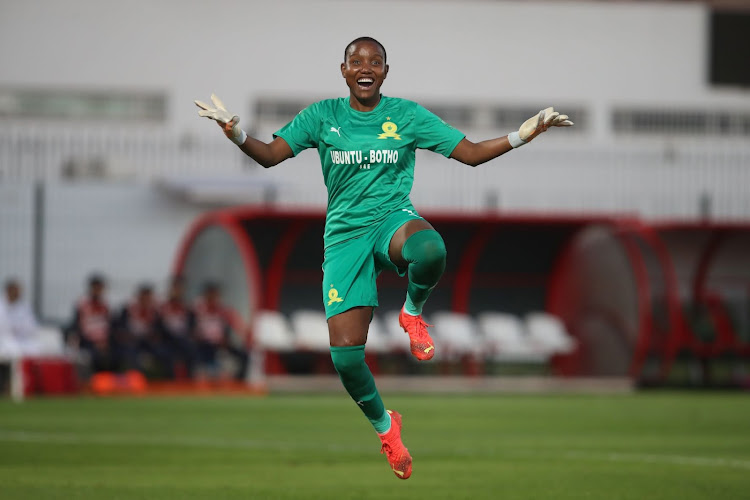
<point>389,130</point>
<point>333,296</point>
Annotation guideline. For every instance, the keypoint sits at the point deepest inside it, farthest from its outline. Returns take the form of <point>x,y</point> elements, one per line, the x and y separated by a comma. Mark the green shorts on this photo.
<point>351,268</point>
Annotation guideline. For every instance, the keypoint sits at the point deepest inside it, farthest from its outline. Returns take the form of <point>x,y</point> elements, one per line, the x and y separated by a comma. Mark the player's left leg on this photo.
<point>348,334</point>
<point>419,248</point>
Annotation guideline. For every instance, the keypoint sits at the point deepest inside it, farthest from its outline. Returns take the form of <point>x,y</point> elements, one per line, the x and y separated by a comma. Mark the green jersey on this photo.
<point>367,157</point>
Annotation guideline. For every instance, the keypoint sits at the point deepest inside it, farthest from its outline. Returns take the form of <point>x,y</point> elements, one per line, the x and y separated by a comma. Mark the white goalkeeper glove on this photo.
<point>536,125</point>
<point>229,122</point>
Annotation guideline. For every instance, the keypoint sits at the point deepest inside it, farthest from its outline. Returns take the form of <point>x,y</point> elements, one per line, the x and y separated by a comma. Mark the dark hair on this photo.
<point>96,279</point>
<point>366,39</point>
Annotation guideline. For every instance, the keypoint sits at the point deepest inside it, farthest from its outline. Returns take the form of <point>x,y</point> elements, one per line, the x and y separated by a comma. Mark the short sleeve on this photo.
<point>303,131</point>
<point>434,134</point>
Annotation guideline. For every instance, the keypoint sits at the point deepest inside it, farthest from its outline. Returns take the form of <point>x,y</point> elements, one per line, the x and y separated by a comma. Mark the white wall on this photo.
<point>128,232</point>
<point>16,236</point>
<point>534,52</point>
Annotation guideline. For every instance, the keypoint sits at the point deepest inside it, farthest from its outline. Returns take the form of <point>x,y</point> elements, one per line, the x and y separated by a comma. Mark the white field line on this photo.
<point>219,443</point>
<point>661,459</point>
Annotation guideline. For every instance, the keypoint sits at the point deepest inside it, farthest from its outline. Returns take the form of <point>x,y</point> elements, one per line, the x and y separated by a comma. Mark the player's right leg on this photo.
<point>417,247</point>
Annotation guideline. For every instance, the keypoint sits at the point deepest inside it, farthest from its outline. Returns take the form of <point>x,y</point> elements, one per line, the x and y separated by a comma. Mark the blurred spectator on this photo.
<point>8,346</point>
<point>23,324</point>
<point>137,341</point>
<point>176,323</point>
<point>214,325</point>
<point>89,330</point>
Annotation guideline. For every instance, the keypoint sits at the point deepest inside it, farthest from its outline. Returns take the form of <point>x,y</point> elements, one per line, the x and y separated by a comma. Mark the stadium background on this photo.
<point>105,166</point>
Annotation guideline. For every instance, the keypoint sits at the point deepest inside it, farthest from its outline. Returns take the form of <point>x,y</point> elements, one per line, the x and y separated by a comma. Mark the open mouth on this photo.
<point>365,83</point>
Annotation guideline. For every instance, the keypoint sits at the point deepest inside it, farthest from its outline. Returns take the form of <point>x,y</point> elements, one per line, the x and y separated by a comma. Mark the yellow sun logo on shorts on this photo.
<point>333,296</point>
<point>389,131</point>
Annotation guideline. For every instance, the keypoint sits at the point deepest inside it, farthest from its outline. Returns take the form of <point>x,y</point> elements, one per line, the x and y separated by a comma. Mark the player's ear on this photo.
<point>343,68</point>
<point>385,75</point>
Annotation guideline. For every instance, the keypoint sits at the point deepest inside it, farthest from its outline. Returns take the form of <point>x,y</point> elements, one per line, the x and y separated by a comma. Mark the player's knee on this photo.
<point>435,252</point>
<point>427,248</point>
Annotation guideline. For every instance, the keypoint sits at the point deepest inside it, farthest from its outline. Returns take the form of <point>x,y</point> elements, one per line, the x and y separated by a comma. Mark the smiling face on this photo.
<point>364,70</point>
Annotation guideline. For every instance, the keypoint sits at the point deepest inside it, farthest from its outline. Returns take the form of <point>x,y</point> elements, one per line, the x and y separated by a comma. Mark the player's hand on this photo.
<point>228,122</point>
<point>537,124</point>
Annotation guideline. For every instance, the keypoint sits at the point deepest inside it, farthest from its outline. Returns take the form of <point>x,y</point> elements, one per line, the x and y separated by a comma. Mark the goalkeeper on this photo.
<point>367,144</point>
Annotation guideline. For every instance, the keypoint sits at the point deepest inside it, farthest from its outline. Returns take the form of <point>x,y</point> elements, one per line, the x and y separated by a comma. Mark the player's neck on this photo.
<point>365,105</point>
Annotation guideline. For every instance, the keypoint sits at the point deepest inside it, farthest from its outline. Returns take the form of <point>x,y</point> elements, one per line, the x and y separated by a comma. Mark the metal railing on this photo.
<point>656,177</point>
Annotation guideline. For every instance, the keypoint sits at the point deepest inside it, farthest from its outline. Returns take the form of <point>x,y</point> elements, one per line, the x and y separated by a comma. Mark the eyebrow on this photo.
<point>371,57</point>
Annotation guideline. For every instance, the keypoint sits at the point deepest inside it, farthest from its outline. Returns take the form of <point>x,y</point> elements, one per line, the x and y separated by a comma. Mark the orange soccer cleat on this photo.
<point>397,454</point>
<point>422,346</point>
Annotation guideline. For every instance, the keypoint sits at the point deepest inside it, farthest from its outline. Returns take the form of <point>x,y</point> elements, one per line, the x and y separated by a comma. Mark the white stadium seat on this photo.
<point>48,342</point>
<point>455,335</point>
<point>505,339</point>
<point>273,332</point>
<point>548,333</point>
<point>310,330</point>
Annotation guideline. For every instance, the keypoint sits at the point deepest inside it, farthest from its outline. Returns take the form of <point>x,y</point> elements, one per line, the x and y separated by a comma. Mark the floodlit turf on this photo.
<point>645,446</point>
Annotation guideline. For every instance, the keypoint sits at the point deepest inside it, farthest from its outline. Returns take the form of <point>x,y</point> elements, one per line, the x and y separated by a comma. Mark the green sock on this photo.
<point>358,381</point>
<point>425,253</point>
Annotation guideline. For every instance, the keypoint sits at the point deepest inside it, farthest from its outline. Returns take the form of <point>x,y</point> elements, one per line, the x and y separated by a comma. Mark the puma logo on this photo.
<point>337,130</point>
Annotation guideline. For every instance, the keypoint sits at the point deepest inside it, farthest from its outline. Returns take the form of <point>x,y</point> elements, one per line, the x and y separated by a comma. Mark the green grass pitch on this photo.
<point>641,446</point>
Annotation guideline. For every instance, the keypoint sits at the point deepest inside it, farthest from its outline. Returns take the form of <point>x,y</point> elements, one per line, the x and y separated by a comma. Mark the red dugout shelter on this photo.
<point>711,267</point>
<point>613,281</point>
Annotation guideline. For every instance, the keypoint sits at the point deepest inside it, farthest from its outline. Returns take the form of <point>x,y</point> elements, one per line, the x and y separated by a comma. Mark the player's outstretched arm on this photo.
<point>475,154</point>
<point>266,154</point>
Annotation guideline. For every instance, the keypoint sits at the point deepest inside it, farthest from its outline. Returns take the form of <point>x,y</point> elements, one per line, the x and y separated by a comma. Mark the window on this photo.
<point>730,49</point>
<point>66,104</point>
<point>686,122</point>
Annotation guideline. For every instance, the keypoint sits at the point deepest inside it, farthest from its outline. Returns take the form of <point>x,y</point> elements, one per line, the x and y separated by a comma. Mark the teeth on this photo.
<point>365,80</point>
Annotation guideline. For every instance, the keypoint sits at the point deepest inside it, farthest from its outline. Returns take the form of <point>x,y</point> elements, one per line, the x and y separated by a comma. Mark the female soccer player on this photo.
<point>367,144</point>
